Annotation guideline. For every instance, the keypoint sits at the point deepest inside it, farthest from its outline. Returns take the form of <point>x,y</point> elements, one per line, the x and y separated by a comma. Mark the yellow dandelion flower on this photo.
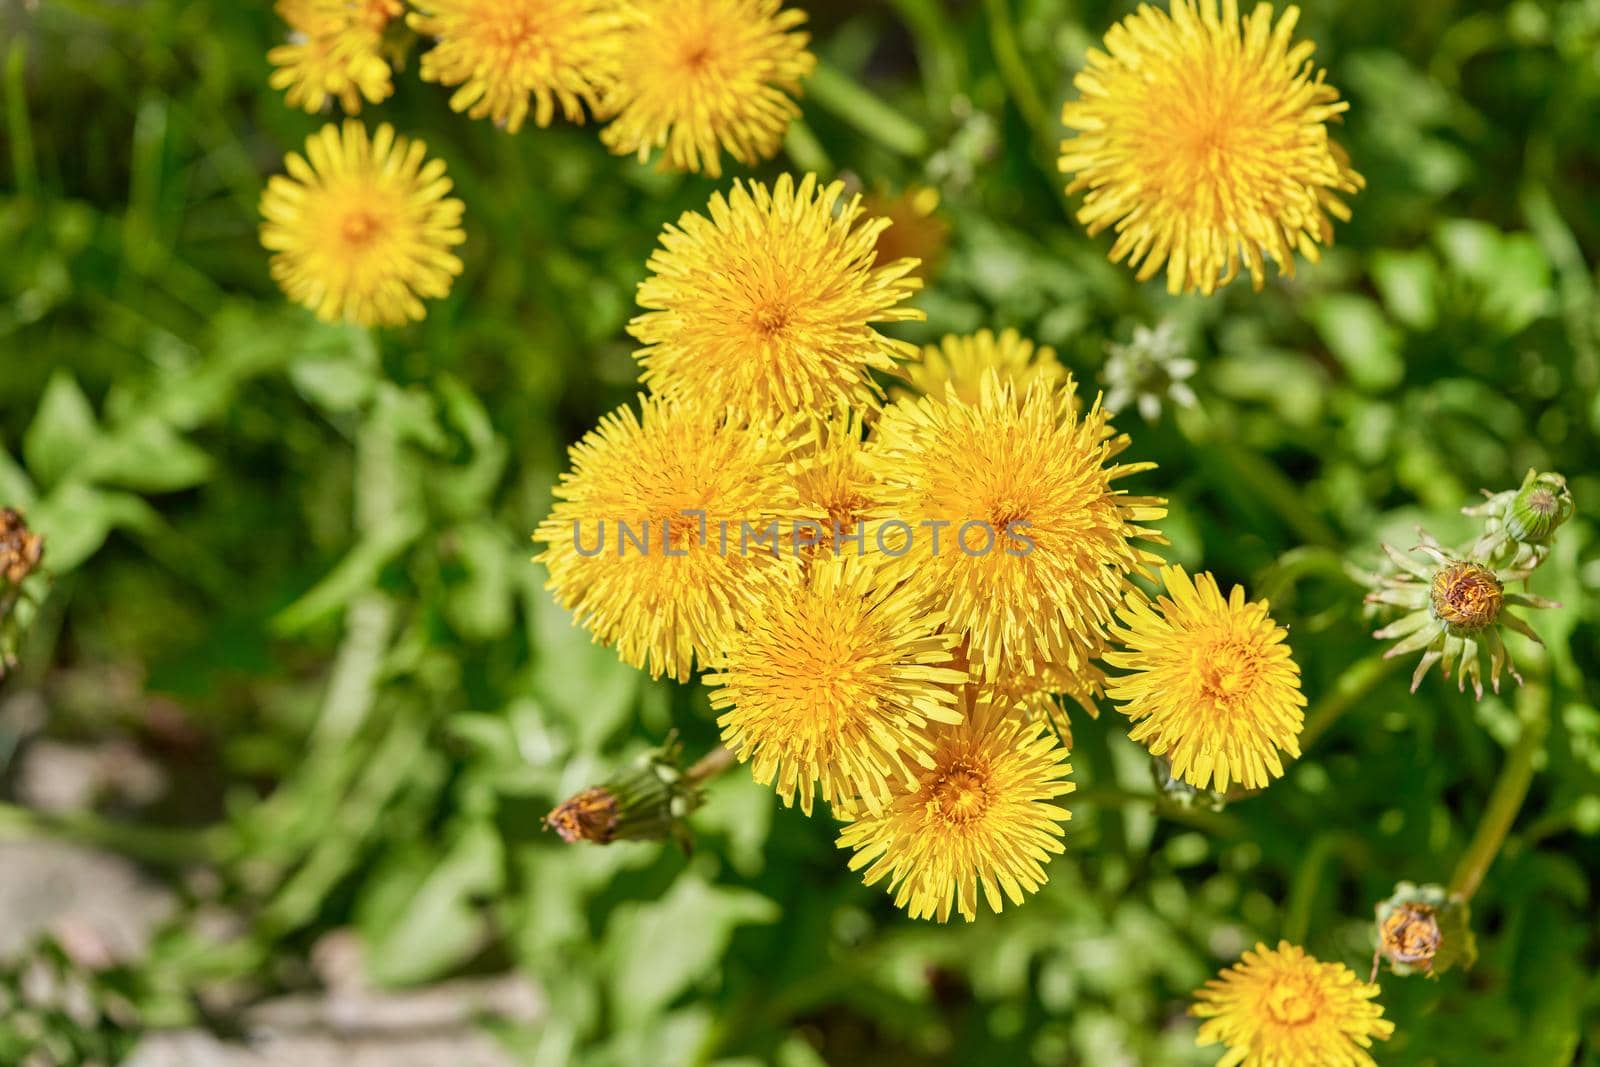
<point>1036,695</point>
<point>981,815</point>
<point>1282,1006</point>
<point>706,76</point>
<point>335,52</point>
<point>962,361</point>
<point>1212,684</point>
<point>661,540</point>
<point>1203,139</point>
<point>498,53</point>
<point>361,230</point>
<point>768,305</point>
<point>1010,519</point>
<point>833,680</point>
<point>832,482</point>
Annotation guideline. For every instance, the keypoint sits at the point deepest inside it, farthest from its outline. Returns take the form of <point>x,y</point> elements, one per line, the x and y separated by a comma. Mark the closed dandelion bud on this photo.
<point>646,803</point>
<point>1539,508</point>
<point>1422,929</point>
<point>1466,596</point>
<point>1520,524</point>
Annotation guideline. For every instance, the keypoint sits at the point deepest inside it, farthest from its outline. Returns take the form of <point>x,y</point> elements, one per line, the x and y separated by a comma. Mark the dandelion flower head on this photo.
<point>682,477</point>
<point>835,678</point>
<point>1037,543</point>
<point>1282,1006</point>
<point>1203,140</point>
<point>361,229</point>
<point>961,362</point>
<point>1211,683</point>
<point>981,816</point>
<point>335,52</point>
<point>509,57</point>
<point>703,77</point>
<point>768,303</point>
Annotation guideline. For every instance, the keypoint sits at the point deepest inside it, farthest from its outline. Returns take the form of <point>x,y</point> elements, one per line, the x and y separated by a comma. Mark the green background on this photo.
<point>290,561</point>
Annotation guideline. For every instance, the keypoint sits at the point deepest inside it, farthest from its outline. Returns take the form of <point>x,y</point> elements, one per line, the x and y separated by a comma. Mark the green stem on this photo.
<point>151,844</point>
<point>1356,682</point>
<point>939,50</point>
<point>805,151</point>
<point>24,168</point>
<point>1014,70</point>
<point>1510,790</point>
<point>1303,893</point>
<point>840,94</point>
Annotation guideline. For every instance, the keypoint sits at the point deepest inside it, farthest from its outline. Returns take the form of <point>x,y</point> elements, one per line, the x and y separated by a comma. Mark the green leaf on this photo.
<point>1359,337</point>
<point>660,948</point>
<point>425,918</point>
<point>62,432</point>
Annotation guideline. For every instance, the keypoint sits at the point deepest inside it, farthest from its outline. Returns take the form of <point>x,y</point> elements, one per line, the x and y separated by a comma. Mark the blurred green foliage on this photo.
<point>290,561</point>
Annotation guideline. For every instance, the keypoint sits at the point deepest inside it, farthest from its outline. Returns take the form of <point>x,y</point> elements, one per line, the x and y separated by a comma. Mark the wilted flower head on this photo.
<point>21,550</point>
<point>1211,683</point>
<point>960,363</point>
<point>361,229</point>
<point>769,305</point>
<point>502,53</point>
<point>981,814</point>
<point>703,77</point>
<point>1455,608</point>
<point>1281,1007</point>
<point>1423,929</point>
<point>1520,524</point>
<point>1203,139</point>
<point>1148,370</point>
<point>645,802</point>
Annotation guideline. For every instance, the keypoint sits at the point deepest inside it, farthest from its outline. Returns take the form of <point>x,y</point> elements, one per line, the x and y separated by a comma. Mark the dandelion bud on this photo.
<point>1539,508</point>
<point>1423,929</point>
<point>1520,524</point>
<point>647,803</point>
<point>1410,935</point>
<point>1451,611</point>
<point>1466,596</point>
<point>20,548</point>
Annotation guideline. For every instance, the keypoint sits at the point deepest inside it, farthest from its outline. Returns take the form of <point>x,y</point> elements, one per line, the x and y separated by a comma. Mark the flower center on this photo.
<point>1227,670</point>
<point>1466,596</point>
<point>770,320</point>
<point>359,228</point>
<point>1291,1003</point>
<point>961,793</point>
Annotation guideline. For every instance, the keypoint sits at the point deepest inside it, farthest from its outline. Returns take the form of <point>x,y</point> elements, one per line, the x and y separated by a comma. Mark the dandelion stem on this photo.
<point>1014,70</point>
<point>1356,682</point>
<point>710,765</point>
<point>150,844</point>
<point>805,150</point>
<point>840,94</point>
<point>1510,790</point>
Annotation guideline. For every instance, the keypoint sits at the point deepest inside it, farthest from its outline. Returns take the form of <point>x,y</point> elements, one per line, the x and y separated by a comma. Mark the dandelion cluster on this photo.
<point>894,594</point>
<point>364,237</point>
